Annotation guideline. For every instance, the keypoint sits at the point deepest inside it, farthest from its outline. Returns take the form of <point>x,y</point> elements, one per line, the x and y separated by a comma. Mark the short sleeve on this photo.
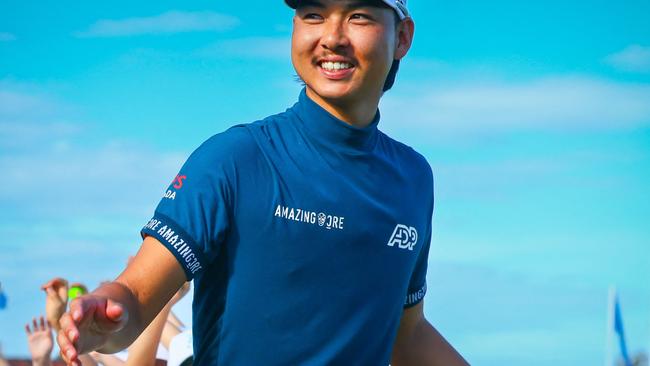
<point>418,283</point>
<point>193,217</point>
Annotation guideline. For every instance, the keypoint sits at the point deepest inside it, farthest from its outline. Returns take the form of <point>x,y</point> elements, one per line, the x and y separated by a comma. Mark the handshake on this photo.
<point>86,332</point>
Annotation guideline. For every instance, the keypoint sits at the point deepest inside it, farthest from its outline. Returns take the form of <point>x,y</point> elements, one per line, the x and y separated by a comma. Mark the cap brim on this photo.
<point>401,11</point>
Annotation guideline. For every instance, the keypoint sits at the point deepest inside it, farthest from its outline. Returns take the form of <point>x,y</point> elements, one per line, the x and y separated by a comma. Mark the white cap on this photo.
<point>398,5</point>
<point>180,348</point>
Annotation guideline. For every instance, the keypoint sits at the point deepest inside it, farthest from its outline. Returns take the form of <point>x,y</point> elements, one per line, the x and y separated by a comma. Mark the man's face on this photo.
<point>343,49</point>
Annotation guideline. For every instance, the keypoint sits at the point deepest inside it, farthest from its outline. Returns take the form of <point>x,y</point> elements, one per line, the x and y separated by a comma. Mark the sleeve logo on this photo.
<point>177,184</point>
<point>178,181</point>
<point>405,237</point>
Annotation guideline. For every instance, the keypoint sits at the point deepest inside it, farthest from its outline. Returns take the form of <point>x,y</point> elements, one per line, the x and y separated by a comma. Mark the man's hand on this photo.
<point>113,316</point>
<point>56,300</point>
<point>39,339</point>
<point>87,326</point>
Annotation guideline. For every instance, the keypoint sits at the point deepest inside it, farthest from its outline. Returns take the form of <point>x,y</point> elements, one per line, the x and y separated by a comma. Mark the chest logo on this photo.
<point>327,221</point>
<point>405,237</point>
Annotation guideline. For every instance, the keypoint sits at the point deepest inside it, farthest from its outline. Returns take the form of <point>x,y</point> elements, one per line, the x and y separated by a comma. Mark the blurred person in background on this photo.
<point>3,361</point>
<point>3,298</point>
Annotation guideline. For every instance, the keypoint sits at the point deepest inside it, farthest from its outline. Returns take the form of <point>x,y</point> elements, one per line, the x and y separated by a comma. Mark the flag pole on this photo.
<point>610,325</point>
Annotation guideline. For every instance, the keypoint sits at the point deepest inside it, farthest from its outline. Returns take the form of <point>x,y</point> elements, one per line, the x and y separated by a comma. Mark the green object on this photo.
<point>75,291</point>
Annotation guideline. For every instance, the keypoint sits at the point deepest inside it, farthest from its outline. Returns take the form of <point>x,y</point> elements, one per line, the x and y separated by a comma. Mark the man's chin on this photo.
<point>333,93</point>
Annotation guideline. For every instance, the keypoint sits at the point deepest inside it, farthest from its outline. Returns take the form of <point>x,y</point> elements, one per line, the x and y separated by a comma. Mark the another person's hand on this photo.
<point>180,293</point>
<point>106,360</point>
<point>56,300</point>
<point>39,339</point>
<point>88,325</point>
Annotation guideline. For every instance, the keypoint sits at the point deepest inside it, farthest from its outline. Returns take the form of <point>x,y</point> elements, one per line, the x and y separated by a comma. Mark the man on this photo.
<point>306,233</point>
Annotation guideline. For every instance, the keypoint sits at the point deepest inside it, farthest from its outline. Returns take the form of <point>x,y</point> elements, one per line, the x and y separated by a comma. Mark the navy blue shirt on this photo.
<point>305,236</point>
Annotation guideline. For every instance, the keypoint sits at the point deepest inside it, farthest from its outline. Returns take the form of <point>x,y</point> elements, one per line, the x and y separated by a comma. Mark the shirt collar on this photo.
<point>323,126</point>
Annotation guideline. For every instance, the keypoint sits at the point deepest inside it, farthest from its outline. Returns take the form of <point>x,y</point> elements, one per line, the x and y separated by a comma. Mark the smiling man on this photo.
<point>306,233</point>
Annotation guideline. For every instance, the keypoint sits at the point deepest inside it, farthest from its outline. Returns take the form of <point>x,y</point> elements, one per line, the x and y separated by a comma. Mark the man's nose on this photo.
<point>334,35</point>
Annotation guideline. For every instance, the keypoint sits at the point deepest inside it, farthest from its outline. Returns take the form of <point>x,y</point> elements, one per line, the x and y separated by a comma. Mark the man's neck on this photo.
<point>356,113</point>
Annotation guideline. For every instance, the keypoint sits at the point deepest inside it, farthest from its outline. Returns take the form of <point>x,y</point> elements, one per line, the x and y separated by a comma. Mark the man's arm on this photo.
<point>114,315</point>
<point>419,343</point>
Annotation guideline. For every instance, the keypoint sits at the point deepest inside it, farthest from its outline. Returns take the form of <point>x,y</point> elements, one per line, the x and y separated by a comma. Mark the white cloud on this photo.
<point>274,48</point>
<point>116,176</point>
<point>30,118</point>
<point>557,103</point>
<point>634,58</point>
<point>53,167</point>
<point>6,37</point>
<point>166,23</point>
<point>15,102</point>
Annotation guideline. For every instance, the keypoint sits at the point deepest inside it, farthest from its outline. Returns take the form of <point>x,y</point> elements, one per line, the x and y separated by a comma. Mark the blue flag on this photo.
<point>618,327</point>
<point>3,300</point>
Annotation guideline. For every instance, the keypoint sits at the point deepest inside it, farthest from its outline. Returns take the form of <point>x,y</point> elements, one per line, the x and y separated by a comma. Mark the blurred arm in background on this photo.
<point>56,299</point>
<point>143,351</point>
<point>40,341</point>
<point>3,362</point>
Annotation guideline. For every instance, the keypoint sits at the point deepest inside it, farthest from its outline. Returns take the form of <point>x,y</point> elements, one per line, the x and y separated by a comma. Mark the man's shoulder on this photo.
<point>241,141</point>
<point>406,155</point>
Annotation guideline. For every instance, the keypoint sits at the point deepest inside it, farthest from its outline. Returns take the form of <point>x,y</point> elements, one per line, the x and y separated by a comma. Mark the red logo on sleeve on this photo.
<point>178,181</point>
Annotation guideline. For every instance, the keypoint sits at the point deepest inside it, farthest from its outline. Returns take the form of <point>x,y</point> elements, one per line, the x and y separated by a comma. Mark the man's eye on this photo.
<point>312,16</point>
<point>360,16</point>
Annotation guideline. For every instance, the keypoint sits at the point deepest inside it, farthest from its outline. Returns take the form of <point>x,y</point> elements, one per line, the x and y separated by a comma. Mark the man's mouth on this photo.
<point>335,66</point>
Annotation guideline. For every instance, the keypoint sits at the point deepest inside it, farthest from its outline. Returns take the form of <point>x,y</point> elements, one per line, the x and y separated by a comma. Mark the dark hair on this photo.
<point>392,74</point>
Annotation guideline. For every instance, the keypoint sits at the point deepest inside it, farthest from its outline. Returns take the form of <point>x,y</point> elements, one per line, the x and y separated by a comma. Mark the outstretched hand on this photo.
<point>39,339</point>
<point>88,325</point>
<point>56,300</point>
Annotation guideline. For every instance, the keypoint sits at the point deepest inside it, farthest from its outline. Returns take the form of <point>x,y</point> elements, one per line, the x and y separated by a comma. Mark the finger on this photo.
<point>114,310</point>
<point>68,351</point>
<point>68,327</point>
<point>55,282</point>
<point>111,317</point>
<point>50,292</point>
<point>47,284</point>
<point>35,325</point>
<point>62,291</point>
<point>42,323</point>
<point>27,330</point>
<point>82,307</point>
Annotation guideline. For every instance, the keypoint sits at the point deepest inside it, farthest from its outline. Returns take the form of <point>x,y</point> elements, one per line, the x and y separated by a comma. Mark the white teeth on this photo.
<point>335,65</point>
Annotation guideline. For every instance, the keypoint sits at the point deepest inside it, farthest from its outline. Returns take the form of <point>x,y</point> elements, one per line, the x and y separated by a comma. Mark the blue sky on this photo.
<point>535,117</point>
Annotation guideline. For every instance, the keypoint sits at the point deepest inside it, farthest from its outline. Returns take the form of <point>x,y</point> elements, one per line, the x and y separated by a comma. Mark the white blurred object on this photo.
<point>180,348</point>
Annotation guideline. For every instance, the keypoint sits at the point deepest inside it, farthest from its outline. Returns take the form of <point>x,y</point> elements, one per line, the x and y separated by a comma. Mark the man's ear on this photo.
<point>404,38</point>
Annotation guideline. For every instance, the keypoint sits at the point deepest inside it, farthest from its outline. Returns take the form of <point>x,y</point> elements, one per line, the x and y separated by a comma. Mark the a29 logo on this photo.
<point>405,237</point>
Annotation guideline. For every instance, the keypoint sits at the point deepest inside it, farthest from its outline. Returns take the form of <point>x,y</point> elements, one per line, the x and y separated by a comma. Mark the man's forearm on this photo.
<point>426,346</point>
